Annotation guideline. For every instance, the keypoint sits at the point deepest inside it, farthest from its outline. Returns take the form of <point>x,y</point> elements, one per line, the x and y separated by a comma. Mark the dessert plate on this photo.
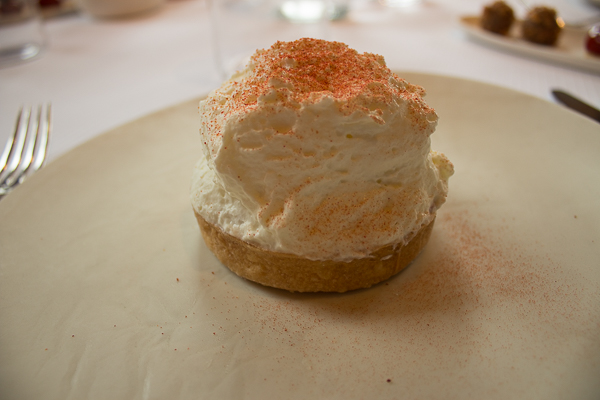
<point>570,50</point>
<point>107,290</point>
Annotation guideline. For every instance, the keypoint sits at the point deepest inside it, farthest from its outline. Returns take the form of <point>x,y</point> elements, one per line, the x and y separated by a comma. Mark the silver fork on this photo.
<point>25,150</point>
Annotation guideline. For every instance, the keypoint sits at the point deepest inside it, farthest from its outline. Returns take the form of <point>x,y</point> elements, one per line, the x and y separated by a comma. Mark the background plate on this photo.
<point>108,292</point>
<point>569,51</point>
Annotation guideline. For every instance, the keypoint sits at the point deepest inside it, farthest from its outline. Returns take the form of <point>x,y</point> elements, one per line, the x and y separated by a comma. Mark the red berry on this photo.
<point>49,3</point>
<point>592,43</point>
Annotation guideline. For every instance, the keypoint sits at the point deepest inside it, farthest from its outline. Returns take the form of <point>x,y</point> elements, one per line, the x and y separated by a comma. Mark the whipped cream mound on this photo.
<point>319,151</point>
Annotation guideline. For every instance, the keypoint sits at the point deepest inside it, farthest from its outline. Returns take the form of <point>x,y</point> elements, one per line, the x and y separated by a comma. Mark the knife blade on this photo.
<point>576,104</point>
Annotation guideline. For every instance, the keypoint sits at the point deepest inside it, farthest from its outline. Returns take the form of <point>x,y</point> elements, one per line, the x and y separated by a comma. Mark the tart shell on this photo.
<point>298,274</point>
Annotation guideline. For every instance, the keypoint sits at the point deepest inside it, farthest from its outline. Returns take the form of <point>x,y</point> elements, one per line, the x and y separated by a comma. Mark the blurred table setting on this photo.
<point>107,289</point>
<point>101,70</point>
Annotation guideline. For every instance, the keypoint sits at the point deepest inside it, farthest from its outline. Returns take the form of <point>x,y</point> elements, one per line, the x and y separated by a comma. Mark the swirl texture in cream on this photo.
<point>319,151</point>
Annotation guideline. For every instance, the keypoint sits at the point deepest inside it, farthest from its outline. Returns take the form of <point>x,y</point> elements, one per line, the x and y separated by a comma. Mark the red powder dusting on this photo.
<point>476,307</point>
<point>472,295</point>
<point>306,70</point>
<point>313,66</point>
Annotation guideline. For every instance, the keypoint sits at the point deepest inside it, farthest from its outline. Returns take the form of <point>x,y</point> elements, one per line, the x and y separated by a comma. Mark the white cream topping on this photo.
<point>330,174</point>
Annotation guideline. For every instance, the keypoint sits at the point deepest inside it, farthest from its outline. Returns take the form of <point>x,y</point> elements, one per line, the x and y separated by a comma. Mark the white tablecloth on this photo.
<point>99,74</point>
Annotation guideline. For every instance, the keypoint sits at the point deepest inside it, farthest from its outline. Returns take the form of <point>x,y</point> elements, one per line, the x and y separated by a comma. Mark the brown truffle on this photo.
<point>540,26</point>
<point>497,17</point>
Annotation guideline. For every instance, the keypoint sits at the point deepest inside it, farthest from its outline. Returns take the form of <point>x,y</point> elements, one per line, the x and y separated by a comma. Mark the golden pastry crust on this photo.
<point>297,274</point>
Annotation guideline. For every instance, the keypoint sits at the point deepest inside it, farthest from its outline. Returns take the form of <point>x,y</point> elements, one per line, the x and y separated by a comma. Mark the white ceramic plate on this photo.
<point>569,51</point>
<point>108,292</point>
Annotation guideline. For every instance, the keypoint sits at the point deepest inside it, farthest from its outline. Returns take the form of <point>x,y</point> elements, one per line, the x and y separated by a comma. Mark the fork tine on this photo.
<point>31,139</point>
<point>41,144</point>
<point>18,142</point>
<point>26,151</point>
<point>10,142</point>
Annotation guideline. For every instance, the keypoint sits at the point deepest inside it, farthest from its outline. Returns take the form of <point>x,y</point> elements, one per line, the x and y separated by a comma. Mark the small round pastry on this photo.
<point>317,173</point>
<point>497,17</point>
<point>540,26</point>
